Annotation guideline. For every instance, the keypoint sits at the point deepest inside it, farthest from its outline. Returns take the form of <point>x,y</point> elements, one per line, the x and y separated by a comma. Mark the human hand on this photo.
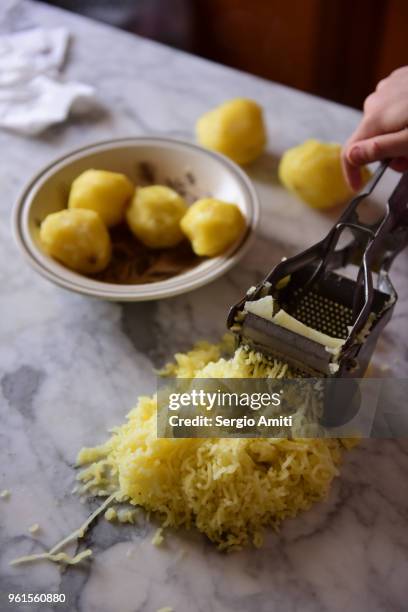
<point>382,133</point>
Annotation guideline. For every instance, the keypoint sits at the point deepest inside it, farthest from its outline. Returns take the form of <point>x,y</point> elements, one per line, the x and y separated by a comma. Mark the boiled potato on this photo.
<point>107,193</point>
<point>78,239</point>
<point>154,216</point>
<point>236,129</point>
<point>313,172</point>
<point>212,226</point>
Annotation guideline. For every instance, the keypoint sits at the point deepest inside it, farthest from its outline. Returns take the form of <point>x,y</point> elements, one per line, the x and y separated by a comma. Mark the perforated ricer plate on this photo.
<point>321,313</point>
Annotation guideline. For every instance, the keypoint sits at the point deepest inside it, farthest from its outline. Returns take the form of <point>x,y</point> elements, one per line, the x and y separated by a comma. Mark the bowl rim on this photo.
<point>136,292</point>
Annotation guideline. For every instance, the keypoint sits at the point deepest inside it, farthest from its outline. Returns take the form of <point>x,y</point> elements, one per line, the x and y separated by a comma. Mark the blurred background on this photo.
<point>337,49</point>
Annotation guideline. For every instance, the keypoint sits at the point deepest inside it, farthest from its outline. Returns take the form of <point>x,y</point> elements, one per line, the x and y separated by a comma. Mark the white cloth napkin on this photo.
<point>32,97</point>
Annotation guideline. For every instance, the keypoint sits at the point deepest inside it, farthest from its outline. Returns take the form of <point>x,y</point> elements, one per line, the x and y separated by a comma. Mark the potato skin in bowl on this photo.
<point>78,239</point>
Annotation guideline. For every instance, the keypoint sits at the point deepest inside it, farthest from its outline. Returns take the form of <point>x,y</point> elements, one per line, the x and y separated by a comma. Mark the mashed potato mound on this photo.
<point>229,489</point>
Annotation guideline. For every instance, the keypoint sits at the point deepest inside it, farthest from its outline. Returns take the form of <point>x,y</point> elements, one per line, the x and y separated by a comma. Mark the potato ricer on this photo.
<point>316,289</point>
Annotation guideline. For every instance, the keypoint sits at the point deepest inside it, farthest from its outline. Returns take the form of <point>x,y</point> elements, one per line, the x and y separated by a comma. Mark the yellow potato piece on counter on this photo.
<point>313,172</point>
<point>236,129</point>
<point>154,216</point>
<point>78,239</point>
<point>107,193</point>
<point>212,226</point>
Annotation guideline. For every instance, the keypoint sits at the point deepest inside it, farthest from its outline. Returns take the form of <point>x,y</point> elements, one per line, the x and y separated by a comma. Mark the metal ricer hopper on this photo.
<point>310,287</point>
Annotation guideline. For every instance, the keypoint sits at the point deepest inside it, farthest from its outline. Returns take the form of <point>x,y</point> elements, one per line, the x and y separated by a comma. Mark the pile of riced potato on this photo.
<point>229,489</point>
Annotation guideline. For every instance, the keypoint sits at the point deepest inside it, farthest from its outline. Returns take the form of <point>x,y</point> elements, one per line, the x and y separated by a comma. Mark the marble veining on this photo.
<point>71,368</point>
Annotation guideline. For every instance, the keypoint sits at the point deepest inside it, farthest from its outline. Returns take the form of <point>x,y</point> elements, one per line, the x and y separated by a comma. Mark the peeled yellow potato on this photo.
<point>107,193</point>
<point>78,239</point>
<point>154,216</point>
<point>236,129</point>
<point>313,172</point>
<point>212,226</point>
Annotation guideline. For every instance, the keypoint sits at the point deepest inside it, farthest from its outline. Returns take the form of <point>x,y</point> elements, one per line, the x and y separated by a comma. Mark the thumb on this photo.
<point>378,148</point>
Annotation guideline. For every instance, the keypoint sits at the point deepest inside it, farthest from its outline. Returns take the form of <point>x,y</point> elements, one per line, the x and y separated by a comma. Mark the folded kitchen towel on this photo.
<point>32,95</point>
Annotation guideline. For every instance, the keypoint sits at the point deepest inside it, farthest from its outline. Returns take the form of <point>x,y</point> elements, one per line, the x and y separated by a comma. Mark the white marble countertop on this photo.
<point>71,367</point>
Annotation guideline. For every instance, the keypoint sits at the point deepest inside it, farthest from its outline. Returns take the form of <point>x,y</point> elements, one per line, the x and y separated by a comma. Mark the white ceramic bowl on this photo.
<point>202,173</point>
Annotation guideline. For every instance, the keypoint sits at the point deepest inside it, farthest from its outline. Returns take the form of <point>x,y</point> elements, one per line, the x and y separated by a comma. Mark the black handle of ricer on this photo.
<point>397,232</point>
<point>389,239</point>
<point>396,227</point>
<point>342,400</point>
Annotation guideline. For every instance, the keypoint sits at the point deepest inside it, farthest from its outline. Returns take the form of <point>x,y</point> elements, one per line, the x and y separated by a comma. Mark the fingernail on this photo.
<point>356,155</point>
